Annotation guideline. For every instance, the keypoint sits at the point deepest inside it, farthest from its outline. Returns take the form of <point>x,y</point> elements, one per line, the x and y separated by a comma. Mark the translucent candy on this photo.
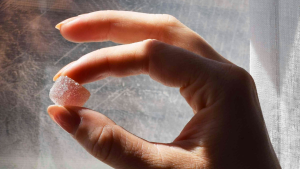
<point>66,91</point>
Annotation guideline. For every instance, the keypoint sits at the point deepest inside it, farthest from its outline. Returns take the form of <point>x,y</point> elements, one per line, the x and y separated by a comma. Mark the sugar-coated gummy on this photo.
<point>67,92</point>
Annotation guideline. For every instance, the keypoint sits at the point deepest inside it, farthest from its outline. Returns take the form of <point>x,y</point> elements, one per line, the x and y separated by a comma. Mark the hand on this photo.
<point>227,130</point>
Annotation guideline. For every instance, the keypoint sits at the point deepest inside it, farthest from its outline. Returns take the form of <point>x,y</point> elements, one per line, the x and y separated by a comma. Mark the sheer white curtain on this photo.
<point>275,67</point>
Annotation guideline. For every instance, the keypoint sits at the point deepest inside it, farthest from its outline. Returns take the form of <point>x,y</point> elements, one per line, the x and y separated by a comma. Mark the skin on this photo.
<point>227,130</point>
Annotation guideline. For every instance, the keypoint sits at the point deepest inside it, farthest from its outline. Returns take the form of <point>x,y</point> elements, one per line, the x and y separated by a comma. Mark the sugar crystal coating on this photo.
<point>67,92</point>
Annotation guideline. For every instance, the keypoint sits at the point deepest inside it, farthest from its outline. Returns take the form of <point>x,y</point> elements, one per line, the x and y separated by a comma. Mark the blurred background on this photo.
<point>32,51</point>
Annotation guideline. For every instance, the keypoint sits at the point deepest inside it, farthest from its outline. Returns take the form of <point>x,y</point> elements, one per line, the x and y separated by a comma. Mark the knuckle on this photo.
<point>152,46</point>
<point>164,24</point>
<point>169,20</point>
<point>239,78</point>
<point>241,74</point>
<point>152,50</point>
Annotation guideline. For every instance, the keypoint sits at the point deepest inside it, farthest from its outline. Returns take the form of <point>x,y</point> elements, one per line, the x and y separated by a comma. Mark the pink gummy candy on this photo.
<point>67,92</point>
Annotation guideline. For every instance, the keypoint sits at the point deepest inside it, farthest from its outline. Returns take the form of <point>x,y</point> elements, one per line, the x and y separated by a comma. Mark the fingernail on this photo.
<point>58,26</point>
<point>68,121</point>
<point>58,74</point>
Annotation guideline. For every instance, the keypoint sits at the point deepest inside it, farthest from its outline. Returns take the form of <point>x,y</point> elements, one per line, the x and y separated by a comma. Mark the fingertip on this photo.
<point>73,30</point>
<point>60,72</point>
<point>53,109</point>
<point>86,28</point>
<point>64,118</point>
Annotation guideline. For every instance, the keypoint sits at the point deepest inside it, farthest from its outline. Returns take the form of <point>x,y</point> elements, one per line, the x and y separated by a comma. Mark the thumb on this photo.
<point>105,140</point>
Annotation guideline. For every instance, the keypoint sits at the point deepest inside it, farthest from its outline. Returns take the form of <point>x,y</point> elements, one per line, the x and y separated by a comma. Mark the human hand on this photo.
<point>227,130</point>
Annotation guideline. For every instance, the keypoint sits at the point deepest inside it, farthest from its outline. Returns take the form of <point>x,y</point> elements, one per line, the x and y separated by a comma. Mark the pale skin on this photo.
<point>227,129</point>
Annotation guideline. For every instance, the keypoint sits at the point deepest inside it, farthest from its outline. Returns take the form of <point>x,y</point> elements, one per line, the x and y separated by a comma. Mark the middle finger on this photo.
<point>129,27</point>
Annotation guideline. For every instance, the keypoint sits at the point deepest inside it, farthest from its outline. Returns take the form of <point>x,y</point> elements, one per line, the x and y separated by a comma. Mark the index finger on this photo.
<point>129,27</point>
<point>169,65</point>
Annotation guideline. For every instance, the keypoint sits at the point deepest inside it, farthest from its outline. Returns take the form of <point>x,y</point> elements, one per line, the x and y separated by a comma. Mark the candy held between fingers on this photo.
<point>67,92</point>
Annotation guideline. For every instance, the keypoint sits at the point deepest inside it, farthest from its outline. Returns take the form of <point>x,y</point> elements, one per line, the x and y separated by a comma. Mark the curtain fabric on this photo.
<point>274,65</point>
